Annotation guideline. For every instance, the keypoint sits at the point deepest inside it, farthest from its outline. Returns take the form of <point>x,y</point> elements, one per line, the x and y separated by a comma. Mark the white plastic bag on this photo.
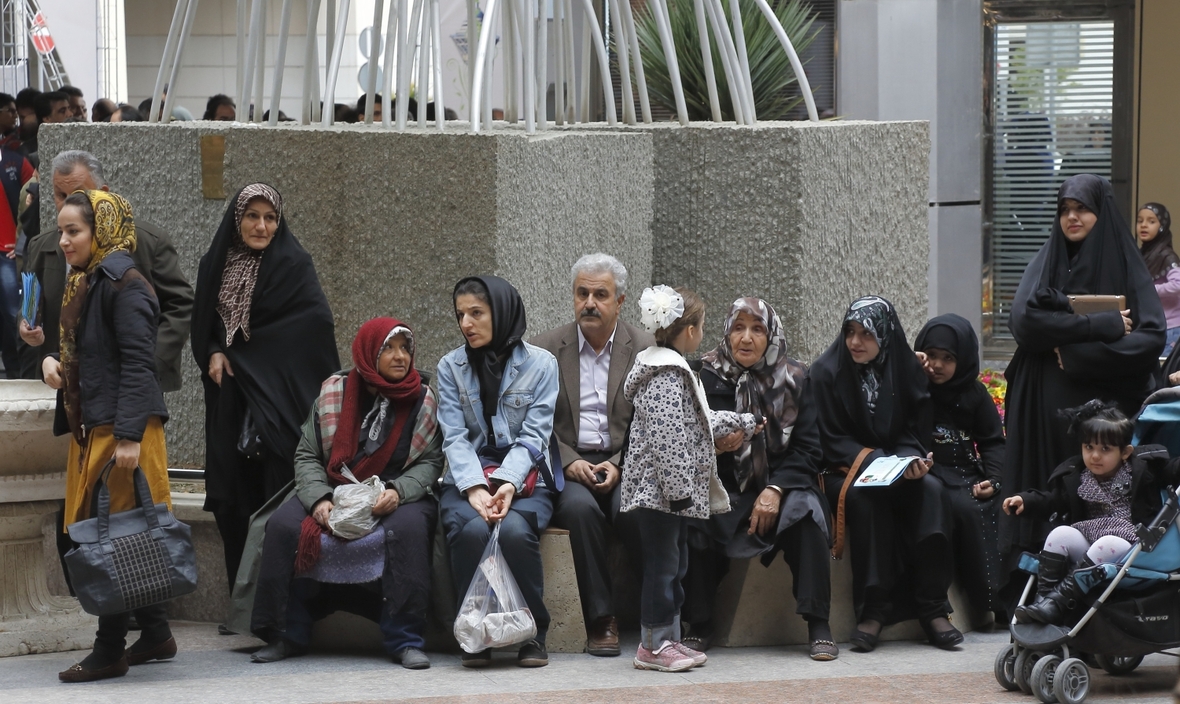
<point>352,507</point>
<point>493,614</point>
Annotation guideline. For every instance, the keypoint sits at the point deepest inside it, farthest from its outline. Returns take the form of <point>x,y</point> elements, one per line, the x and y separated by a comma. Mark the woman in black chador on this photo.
<point>1062,359</point>
<point>870,392</point>
<point>264,340</point>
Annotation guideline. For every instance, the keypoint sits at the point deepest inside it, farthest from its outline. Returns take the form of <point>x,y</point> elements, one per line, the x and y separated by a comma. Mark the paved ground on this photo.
<point>212,668</point>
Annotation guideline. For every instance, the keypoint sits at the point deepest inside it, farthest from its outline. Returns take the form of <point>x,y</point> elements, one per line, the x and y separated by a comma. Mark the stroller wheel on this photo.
<point>1022,669</point>
<point>1041,678</point>
<point>1005,668</point>
<point>1071,682</point>
<point>1118,664</point>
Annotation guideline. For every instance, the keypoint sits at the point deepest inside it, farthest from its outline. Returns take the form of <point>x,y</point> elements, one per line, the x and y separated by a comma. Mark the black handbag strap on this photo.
<point>143,499</point>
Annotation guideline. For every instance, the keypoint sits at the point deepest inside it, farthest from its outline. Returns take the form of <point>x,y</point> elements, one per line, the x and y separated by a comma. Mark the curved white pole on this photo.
<point>334,65</point>
<point>440,115</point>
<point>510,35</point>
<point>310,64</point>
<point>559,62</point>
<point>423,63</point>
<point>166,60</point>
<point>374,47</point>
<point>661,13</point>
<point>280,62</point>
<point>707,59</point>
<point>571,82</point>
<point>619,32</point>
<point>583,112</point>
<point>529,74</point>
<point>633,37</point>
<point>608,92</point>
<point>189,13</point>
<point>260,66</point>
<point>481,57</point>
<point>405,59</point>
<point>390,48</point>
<point>796,64</point>
<point>542,77</point>
<point>739,38</point>
<point>733,78</point>
<point>242,29</point>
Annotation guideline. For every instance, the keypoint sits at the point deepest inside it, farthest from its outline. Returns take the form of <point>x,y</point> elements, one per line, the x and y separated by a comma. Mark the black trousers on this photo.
<point>805,550</point>
<point>588,517</point>
<point>973,543</point>
<point>111,638</point>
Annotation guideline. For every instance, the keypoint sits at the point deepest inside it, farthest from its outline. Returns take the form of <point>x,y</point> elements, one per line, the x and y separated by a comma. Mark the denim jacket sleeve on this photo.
<point>537,427</point>
<point>465,469</point>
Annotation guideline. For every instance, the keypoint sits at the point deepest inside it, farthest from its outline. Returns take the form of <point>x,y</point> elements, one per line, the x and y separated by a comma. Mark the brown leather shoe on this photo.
<point>78,674</point>
<point>137,655</point>
<point>603,637</point>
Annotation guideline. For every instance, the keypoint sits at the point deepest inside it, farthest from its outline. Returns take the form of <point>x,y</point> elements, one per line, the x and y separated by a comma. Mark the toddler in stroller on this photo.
<point>1098,498</point>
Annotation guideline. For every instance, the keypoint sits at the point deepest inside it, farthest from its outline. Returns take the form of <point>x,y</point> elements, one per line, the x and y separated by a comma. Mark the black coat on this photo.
<point>1151,472</point>
<point>117,352</point>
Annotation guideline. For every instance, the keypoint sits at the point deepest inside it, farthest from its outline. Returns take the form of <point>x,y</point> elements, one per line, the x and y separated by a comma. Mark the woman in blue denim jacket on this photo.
<point>497,381</point>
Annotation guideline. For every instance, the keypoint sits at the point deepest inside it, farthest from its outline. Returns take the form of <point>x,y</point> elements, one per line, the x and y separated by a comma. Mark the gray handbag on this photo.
<point>132,559</point>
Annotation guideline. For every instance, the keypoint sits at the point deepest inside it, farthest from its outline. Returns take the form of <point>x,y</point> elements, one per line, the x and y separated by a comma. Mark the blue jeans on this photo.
<point>398,631</point>
<point>1173,335</point>
<point>663,540</point>
<point>9,308</point>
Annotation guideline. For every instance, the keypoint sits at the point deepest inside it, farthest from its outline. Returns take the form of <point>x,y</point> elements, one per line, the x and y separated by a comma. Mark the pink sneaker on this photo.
<point>666,658</point>
<point>698,658</point>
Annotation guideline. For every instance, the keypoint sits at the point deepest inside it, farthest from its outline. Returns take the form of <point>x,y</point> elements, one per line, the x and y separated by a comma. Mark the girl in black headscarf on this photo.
<point>263,339</point>
<point>871,395</point>
<point>1154,228</point>
<point>1062,359</point>
<point>968,447</point>
<point>496,396</point>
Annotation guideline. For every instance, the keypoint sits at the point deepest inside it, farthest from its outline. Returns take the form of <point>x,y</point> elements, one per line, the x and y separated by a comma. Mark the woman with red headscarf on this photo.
<point>376,420</point>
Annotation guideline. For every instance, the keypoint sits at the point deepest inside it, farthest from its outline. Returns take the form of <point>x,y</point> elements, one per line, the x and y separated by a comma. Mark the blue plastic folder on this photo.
<point>30,298</point>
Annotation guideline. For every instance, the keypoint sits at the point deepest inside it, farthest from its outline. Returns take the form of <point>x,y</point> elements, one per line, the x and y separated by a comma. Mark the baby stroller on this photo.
<point>1131,608</point>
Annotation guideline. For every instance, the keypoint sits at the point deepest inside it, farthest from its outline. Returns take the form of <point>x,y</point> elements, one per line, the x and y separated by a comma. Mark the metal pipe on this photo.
<point>189,14</point>
<point>620,36</point>
<point>559,61</point>
<point>241,28</point>
<point>374,49</point>
<point>472,43</point>
<point>423,63</point>
<point>584,85</point>
<point>733,78</point>
<point>796,64</point>
<point>739,39</point>
<point>317,105</point>
<point>508,39</point>
<point>529,74</point>
<point>571,82</point>
<point>281,61</point>
<point>390,47</point>
<point>542,77</point>
<point>661,11</point>
<point>481,52</point>
<point>402,107</point>
<point>707,59</point>
<point>440,116</point>
<point>641,82</point>
<point>341,25</point>
<point>260,67</point>
<point>310,63</point>
<point>166,60</point>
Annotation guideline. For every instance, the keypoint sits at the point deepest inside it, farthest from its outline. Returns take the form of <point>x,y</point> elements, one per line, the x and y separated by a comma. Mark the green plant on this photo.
<point>771,75</point>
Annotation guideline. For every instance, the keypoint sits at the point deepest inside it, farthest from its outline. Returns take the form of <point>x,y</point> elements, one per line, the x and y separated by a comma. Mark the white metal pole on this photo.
<point>310,63</point>
<point>571,68</point>
<point>584,83</point>
<point>404,60</point>
<point>559,61</point>
<point>508,39</point>
<point>661,11</point>
<point>739,40</point>
<point>281,61</point>
<point>423,63</point>
<point>317,105</point>
<point>260,66</point>
<point>633,37</point>
<point>391,35</point>
<point>707,59</point>
<point>733,79</point>
<point>472,45</point>
<point>242,29</point>
<point>341,26</point>
<point>166,61</point>
<point>374,49</point>
<point>796,64</point>
<point>189,14</point>
<point>440,116</point>
<point>542,78</point>
<point>529,74</point>
<point>619,32</point>
<point>481,56</point>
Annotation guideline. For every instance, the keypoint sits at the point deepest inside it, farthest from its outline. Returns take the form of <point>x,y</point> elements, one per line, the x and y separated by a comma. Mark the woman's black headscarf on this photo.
<point>1158,254</point>
<point>958,396</point>
<point>843,387</point>
<point>508,327</point>
<point>292,345</point>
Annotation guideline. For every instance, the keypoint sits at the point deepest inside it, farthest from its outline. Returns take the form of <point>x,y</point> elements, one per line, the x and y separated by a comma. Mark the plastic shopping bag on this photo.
<point>352,507</point>
<point>493,614</point>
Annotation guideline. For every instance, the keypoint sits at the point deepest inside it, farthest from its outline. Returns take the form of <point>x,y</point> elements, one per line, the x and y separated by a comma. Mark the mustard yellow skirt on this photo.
<point>86,463</point>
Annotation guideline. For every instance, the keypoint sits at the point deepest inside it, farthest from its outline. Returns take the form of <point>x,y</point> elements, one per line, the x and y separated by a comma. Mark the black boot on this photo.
<point>1054,567</point>
<point>1051,608</point>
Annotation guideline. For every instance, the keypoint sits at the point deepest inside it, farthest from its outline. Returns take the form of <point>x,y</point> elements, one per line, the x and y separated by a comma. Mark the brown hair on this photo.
<point>81,201</point>
<point>694,314</point>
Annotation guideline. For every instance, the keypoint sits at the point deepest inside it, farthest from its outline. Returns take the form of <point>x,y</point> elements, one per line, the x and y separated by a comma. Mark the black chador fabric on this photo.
<point>968,446</point>
<point>277,372</point>
<point>1099,360</point>
<point>896,534</point>
<point>508,327</point>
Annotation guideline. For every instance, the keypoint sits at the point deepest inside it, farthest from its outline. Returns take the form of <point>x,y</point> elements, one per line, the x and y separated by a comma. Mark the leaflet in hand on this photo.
<point>884,471</point>
<point>30,298</point>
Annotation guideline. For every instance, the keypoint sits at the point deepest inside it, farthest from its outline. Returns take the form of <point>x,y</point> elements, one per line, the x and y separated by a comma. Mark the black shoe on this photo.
<point>532,654</point>
<point>223,630</point>
<point>947,640</point>
<point>412,658</point>
<point>1053,568</point>
<point>1051,608</point>
<point>481,659</point>
<point>142,652</point>
<point>278,649</point>
<point>864,641</point>
<point>80,673</point>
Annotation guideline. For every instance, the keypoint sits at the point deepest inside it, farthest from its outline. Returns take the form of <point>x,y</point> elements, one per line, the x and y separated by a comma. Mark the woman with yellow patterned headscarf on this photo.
<point>110,400</point>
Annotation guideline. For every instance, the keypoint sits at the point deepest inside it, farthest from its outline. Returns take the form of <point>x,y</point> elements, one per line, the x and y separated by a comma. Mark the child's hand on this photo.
<point>1127,322</point>
<point>1014,504</point>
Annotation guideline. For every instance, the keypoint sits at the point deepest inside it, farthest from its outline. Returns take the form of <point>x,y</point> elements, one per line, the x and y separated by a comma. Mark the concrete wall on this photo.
<point>1157,142</point>
<point>393,220</point>
<point>807,216</point>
